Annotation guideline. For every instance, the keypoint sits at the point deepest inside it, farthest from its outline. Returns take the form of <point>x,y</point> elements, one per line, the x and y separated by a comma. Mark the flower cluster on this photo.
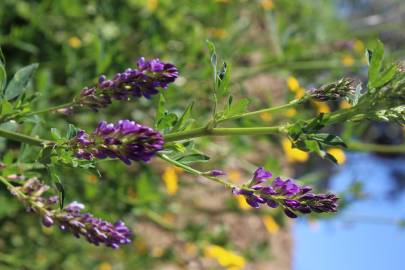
<point>285,193</point>
<point>125,140</point>
<point>70,218</point>
<point>132,83</point>
<point>344,88</point>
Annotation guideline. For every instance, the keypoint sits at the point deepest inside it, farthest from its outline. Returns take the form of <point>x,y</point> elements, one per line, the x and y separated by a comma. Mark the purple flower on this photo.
<point>286,194</point>
<point>146,80</point>
<point>261,176</point>
<point>125,140</point>
<point>95,230</point>
<point>215,173</point>
<point>71,218</point>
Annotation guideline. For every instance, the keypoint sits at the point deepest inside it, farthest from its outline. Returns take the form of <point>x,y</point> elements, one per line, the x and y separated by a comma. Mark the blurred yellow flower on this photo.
<point>242,202</point>
<point>225,258</point>
<point>151,5</point>
<point>74,42</point>
<point>321,107</point>
<point>344,104</point>
<point>358,46</point>
<point>339,154</point>
<point>293,154</point>
<point>265,116</point>
<point>170,179</point>
<point>104,266</point>
<point>92,178</point>
<point>270,224</point>
<point>267,4</point>
<point>291,112</point>
<point>299,93</point>
<point>347,60</point>
<point>293,83</point>
<point>191,248</point>
<point>157,252</point>
<point>217,32</point>
<point>234,175</point>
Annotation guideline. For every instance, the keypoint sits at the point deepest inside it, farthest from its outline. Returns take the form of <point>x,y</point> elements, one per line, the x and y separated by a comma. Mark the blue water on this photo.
<point>365,235</point>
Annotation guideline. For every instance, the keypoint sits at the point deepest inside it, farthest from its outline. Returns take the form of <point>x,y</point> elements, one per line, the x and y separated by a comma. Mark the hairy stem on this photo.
<point>51,109</point>
<point>19,137</point>
<point>196,172</point>
<point>292,103</point>
<point>200,132</point>
<point>380,148</point>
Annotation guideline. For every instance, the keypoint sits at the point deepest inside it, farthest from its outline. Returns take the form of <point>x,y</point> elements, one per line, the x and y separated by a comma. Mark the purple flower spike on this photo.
<point>94,230</point>
<point>286,194</point>
<point>125,140</point>
<point>145,81</point>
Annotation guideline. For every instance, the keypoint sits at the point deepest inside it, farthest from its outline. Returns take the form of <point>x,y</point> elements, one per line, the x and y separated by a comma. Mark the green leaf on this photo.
<point>375,63</point>
<point>196,157</point>
<point>213,53</point>
<point>328,139</point>
<point>386,76</point>
<point>3,77</point>
<point>46,155</point>
<point>182,122</point>
<point>167,121</point>
<point>329,157</point>
<point>224,77</point>
<point>2,58</point>
<point>357,95</point>
<point>20,81</point>
<point>237,108</point>
<point>58,184</point>
<point>6,107</point>
<point>55,134</point>
<point>312,146</point>
<point>71,132</point>
<point>160,111</point>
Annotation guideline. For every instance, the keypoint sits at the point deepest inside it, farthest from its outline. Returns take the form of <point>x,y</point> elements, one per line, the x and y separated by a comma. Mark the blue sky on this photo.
<point>341,244</point>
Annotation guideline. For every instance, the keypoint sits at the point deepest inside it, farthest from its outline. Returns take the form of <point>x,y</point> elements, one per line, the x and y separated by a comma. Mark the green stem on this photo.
<point>292,103</point>
<point>50,109</point>
<point>200,132</point>
<point>6,183</point>
<point>19,137</point>
<point>196,172</point>
<point>379,148</point>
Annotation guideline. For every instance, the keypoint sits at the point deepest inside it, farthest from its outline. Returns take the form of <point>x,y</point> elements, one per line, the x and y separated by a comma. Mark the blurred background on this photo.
<point>276,49</point>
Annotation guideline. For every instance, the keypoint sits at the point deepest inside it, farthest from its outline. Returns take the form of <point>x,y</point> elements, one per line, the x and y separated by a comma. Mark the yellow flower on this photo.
<point>157,252</point>
<point>345,105</point>
<point>104,266</point>
<point>321,107</point>
<point>267,4</point>
<point>234,175</point>
<point>293,154</point>
<point>170,178</point>
<point>291,112</point>
<point>299,93</point>
<point>151,5</point>
<point>347,60</point>
<point>293,83</point>
<point>217,32</point>
<point>92,178</point>
<point>270,224</point>
<point>225,258</point>
<point>358,46</point>
<point>74,42</point>
<point>190,248</point>
<point>339,154</point>
<point>265,116</point>
<point>242,202</point>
